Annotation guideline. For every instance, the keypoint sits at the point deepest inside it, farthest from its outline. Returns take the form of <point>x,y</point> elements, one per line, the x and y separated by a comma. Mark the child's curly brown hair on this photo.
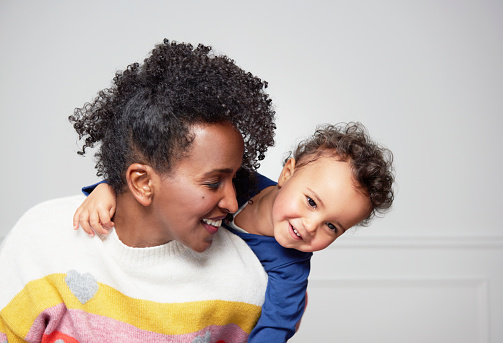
<point>147,113</point>
<point>372,164</point>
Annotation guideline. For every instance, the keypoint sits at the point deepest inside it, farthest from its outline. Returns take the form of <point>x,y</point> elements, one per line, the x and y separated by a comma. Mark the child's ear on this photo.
<point>287,171</point>
<point>139,180</point>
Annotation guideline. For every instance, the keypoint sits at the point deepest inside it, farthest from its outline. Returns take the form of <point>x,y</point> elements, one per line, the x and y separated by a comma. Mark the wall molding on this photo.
<point>419,242</point>
<point>479,285</point>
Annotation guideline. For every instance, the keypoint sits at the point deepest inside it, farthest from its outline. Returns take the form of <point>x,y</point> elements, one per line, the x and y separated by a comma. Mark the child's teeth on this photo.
<point>296,232</point>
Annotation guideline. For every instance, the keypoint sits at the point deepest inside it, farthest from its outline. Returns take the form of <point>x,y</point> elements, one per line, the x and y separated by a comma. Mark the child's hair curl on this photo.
<point>372,164</point>
<point>147,114</point>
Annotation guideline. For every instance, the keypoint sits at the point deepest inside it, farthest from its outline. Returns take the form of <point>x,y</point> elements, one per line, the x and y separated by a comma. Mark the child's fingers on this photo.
<point>105,221</point>
<point>80,218</point>
<point>111,214</point>
<point>83,220</point>
<point>94,221</point>
<point>87,228</point>
<point>76,217</point>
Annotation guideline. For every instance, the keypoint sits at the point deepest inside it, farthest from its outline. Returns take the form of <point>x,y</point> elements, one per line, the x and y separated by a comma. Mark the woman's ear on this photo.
<point>287,171</point>
<point>139,180</point>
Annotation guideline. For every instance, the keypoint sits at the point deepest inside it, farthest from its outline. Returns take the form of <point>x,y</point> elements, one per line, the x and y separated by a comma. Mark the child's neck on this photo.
<point>256,216</point>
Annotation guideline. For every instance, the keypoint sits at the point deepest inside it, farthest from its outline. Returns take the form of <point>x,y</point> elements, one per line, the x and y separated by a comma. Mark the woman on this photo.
<point>171,139</point>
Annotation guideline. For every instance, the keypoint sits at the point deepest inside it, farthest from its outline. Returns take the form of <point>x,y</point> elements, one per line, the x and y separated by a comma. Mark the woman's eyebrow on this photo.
<point>221,171</point>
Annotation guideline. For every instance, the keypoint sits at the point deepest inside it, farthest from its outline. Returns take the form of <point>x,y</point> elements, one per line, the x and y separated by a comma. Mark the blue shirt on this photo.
<point>287,271</point>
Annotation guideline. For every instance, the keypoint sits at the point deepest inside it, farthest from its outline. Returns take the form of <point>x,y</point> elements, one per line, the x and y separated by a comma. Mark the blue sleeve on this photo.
<point>285,296</point>
<point>249,189</point>
<point>263,181</point>
<point>88,189</point>
<point>284,304</point>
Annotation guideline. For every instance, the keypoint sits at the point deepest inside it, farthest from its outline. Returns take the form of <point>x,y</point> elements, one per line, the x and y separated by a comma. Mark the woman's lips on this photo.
<point>212,225</point>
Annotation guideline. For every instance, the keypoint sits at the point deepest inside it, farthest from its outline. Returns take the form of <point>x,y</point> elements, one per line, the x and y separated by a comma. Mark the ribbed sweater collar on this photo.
<point>142,256</point>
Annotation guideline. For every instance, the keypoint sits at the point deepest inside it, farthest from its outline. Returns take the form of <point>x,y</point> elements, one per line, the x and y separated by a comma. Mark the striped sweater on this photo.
<point>58,285</point>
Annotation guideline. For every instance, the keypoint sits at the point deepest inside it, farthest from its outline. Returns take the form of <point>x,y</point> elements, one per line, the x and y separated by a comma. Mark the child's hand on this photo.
<point>96,211</point>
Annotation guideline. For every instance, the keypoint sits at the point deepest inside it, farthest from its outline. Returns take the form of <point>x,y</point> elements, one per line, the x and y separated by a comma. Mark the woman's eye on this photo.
<point>311,202</point>
<point>214,185</point>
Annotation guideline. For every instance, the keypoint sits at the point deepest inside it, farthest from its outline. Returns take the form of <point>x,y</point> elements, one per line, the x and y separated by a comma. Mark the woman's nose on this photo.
<point>228,201</point>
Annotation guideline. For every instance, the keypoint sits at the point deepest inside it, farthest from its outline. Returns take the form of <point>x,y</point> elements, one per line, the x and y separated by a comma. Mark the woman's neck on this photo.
<point>256,216</point>
<point>134,225</point>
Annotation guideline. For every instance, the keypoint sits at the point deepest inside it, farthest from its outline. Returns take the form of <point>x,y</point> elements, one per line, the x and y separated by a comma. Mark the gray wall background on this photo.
<point>425,77</point>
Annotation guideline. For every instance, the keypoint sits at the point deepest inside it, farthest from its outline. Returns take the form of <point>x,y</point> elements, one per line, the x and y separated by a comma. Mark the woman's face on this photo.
<point>197,194</point>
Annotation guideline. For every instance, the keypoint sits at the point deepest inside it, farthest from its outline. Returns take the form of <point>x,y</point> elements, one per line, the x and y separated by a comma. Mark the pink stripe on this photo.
<point>86,327</point>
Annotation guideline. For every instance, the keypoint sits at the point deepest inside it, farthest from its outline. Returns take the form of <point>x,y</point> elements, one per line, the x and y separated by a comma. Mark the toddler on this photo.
<point>336,179</point>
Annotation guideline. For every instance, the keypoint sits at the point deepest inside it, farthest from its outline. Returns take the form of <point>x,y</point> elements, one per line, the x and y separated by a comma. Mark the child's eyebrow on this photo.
<point>317,198</point>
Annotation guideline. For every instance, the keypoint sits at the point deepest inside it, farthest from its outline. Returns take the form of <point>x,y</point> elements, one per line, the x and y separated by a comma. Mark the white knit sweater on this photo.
<point>57,283</point>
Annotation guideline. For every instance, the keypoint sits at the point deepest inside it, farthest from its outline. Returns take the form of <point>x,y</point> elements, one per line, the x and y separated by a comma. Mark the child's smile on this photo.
<point>316,203</point>
<point>296,233</point>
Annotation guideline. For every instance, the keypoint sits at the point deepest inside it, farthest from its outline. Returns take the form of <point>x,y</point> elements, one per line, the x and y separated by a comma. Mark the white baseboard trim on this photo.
<point>419,242</point>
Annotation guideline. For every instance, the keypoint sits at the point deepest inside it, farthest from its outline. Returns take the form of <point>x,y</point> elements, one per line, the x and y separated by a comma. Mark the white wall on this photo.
<point>425,77</point>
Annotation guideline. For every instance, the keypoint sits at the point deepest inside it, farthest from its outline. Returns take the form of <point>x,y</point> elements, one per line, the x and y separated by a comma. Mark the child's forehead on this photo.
<point>328,168</point>
<point>330,176</point>
<point>320,160</point>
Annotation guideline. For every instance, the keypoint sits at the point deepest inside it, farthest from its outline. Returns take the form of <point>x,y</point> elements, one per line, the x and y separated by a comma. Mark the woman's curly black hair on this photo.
<point>372,164</point>
<point>147,113</point>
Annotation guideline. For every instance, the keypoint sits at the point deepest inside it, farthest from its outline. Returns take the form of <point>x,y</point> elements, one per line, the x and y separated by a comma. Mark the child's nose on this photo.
<point>310,226</point>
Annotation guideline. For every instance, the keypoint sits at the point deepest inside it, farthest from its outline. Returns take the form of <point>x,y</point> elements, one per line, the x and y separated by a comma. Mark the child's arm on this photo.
<point>96,211</point>
<point>285,296</point>
<point>284,305</point>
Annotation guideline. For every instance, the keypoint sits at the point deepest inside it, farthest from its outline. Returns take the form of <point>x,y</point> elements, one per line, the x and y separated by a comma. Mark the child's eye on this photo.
<point>332,227</point>
<point>311,202</point>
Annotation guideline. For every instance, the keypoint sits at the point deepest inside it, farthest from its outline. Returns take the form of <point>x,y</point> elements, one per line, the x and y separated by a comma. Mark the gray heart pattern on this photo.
<point>83,286</point>
<point>203,339</point>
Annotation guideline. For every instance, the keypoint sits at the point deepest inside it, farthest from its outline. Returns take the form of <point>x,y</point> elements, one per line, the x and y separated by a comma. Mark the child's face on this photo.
<point>316,204</point>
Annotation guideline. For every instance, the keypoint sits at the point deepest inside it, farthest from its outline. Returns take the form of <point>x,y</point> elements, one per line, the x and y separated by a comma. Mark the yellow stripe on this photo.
<point>165,318</point>
<point>35,297</point>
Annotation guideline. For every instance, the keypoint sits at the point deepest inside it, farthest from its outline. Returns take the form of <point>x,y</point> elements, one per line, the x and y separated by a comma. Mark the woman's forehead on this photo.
<point>214,146</point>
